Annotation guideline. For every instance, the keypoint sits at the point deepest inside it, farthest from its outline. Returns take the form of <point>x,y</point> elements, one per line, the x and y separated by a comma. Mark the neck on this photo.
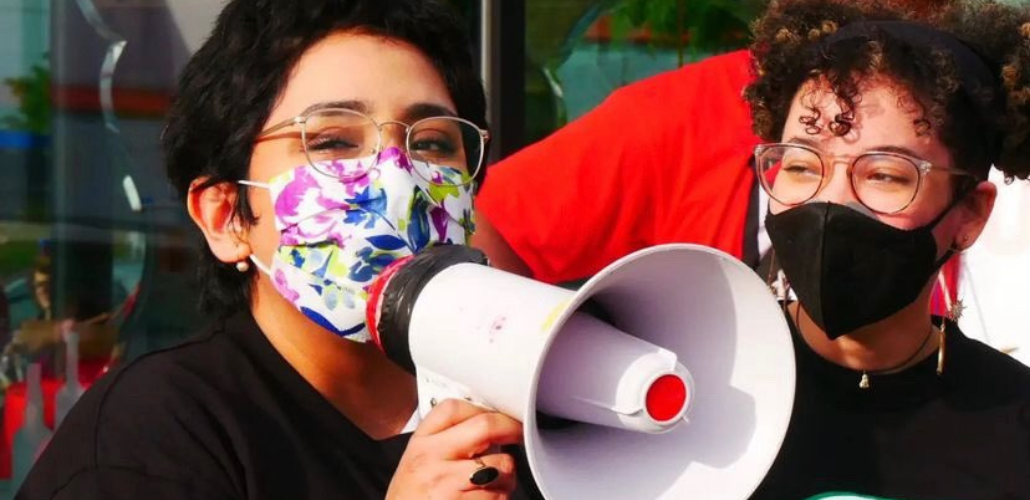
<point>892,344</point>
<point>356,378</point>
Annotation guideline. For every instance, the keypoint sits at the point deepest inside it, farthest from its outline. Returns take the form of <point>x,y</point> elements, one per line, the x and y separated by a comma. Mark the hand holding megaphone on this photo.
<point>667,334</point>
<point>448,456</point>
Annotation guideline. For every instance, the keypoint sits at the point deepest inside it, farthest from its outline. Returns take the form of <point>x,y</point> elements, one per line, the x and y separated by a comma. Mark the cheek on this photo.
<point>932,199</point>
<point>905,221</point>
<point>776,207</point>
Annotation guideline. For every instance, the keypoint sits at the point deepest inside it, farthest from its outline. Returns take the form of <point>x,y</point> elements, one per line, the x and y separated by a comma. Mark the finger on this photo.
<point>502,463</point>
<point>477,434</point>
<point>447,414</point>
<point>485,495</point>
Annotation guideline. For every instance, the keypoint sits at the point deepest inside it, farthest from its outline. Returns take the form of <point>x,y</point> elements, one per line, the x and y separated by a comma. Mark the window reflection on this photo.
<point>579,51</point>
<point>96,254</point>
<point>95,257</point>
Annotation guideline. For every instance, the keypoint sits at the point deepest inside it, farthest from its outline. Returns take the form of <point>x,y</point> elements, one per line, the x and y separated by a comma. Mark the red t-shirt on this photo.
<point>662,160</point>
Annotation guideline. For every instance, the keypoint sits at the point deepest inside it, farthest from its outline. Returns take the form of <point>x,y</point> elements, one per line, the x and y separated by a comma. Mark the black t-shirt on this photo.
<point>222,416</point>
<point>914,435</point>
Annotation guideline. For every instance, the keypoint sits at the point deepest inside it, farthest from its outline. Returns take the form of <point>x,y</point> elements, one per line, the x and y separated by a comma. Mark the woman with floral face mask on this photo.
<point>316,142</point>
<point>882,131</point>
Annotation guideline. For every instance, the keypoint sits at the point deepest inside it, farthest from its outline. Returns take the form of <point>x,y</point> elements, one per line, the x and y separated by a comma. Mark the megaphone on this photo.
<point>674,365</point>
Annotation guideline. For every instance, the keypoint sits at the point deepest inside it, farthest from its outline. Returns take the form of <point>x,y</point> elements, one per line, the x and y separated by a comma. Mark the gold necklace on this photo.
<point>954,313</point>
<point>863,383</point>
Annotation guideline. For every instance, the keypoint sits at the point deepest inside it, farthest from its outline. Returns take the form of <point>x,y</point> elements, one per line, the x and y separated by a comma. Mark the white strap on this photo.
<point>254,184</point>
<point>260,266</point>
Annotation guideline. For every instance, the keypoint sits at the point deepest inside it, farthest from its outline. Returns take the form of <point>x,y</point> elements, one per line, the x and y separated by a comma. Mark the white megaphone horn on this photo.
<point>678,340</point>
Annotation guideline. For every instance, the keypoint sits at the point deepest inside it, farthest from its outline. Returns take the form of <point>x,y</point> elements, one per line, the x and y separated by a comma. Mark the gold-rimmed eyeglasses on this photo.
<point>444,150</point>
<point>886,182</point>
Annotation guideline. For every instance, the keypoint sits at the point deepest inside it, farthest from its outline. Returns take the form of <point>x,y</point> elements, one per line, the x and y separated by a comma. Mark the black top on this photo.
<point>911,435</point>
<point>222,416</point>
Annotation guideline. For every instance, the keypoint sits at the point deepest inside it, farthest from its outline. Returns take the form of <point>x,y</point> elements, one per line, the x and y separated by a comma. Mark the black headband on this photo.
<point>979,75</point>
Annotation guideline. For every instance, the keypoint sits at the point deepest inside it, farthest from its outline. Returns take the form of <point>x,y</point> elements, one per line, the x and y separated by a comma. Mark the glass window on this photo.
<point>96,252</point>
<point>96,256</point>
<point>579,51</point>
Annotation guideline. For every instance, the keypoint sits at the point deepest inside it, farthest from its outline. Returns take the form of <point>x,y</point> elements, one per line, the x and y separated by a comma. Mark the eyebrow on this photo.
<point>422,110</point>
<point>804,142</point>
<point>886,148</point>
<point>413,112</point>
<point>353,105</point>
<point>898,149</point>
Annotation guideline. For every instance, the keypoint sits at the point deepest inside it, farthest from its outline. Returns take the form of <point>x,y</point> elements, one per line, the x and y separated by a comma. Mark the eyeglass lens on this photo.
<point>451,143</point>
<point>881,181</point>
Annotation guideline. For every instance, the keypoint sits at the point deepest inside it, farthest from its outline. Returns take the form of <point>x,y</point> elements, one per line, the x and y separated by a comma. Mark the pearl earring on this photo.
<point>243,266</point>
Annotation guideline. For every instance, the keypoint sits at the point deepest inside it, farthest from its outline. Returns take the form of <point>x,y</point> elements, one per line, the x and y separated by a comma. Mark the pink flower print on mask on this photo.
<point>337,234</point>
<point>283,286</point>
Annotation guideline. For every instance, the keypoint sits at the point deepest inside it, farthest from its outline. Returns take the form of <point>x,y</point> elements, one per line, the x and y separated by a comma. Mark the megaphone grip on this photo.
<point>397,299</point>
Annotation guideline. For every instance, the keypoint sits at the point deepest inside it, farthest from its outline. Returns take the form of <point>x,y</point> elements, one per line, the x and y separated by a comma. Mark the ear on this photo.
<point>212,210</point>
<point>976,208</point>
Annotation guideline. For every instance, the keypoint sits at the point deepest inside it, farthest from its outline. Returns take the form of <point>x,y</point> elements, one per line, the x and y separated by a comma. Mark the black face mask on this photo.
<point>848,269</point>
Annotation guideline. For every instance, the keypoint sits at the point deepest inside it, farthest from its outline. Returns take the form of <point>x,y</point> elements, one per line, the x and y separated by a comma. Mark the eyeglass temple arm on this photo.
<point>279,126</point>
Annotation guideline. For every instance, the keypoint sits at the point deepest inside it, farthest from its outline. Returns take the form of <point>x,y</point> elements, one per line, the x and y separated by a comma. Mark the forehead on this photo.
<point>389,75</point>
<point>884,115</point>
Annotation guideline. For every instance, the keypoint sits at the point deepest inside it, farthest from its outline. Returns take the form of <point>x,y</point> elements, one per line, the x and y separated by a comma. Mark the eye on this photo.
<point>801,169</point>
<point>887,178</point>
<point>434,142</point>
<point>337,142</point>
<point>330,143</point>
<point>887,172</point>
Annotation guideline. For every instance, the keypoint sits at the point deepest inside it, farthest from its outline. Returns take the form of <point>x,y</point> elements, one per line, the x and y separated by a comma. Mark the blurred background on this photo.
<point>93,242</point>
<point>97,254</point>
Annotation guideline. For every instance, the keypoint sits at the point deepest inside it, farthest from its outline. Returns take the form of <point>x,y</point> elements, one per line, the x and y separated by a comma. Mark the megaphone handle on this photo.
<point>434,389</point>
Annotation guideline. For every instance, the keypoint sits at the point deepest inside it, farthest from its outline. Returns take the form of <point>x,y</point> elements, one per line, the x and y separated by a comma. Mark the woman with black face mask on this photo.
<point>881,132</point>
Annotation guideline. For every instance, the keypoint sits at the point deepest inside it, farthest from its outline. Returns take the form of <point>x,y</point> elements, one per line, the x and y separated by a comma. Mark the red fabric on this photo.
<point>950,270</point>
<point>662,160</point>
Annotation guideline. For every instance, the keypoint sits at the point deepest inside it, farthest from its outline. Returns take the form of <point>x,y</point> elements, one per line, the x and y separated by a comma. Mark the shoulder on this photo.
<point>165,415</point>
<point>991,360</point>
<point>201,380</point>
<point>992,374</point>
<point>193,370</point>
<point>698,110</point>
<point>728,73</point>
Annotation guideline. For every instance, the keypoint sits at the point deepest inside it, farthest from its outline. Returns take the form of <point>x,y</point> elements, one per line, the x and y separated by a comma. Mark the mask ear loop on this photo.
<point>261,267</point>
<point>256,184</point>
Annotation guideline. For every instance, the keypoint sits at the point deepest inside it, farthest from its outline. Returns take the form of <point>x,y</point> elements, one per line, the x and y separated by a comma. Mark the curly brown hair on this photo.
<point>790,48</point>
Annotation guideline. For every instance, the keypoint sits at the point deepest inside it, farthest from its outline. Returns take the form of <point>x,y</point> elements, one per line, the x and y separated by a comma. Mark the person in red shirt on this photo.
<point>663,160</point>
<point>666,159</point>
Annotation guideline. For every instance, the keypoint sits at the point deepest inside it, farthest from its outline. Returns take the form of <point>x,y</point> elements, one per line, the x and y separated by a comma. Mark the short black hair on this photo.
<point>230,86</point>
<point>789,48</point>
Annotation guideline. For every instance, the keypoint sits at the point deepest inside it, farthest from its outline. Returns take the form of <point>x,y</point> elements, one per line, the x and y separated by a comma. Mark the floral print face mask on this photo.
<point>337,236</point>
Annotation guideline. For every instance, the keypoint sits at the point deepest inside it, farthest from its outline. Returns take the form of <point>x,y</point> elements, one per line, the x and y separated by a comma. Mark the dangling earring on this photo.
<point>776,280</point>
<point>953,313</point>
<point>243,266</point>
